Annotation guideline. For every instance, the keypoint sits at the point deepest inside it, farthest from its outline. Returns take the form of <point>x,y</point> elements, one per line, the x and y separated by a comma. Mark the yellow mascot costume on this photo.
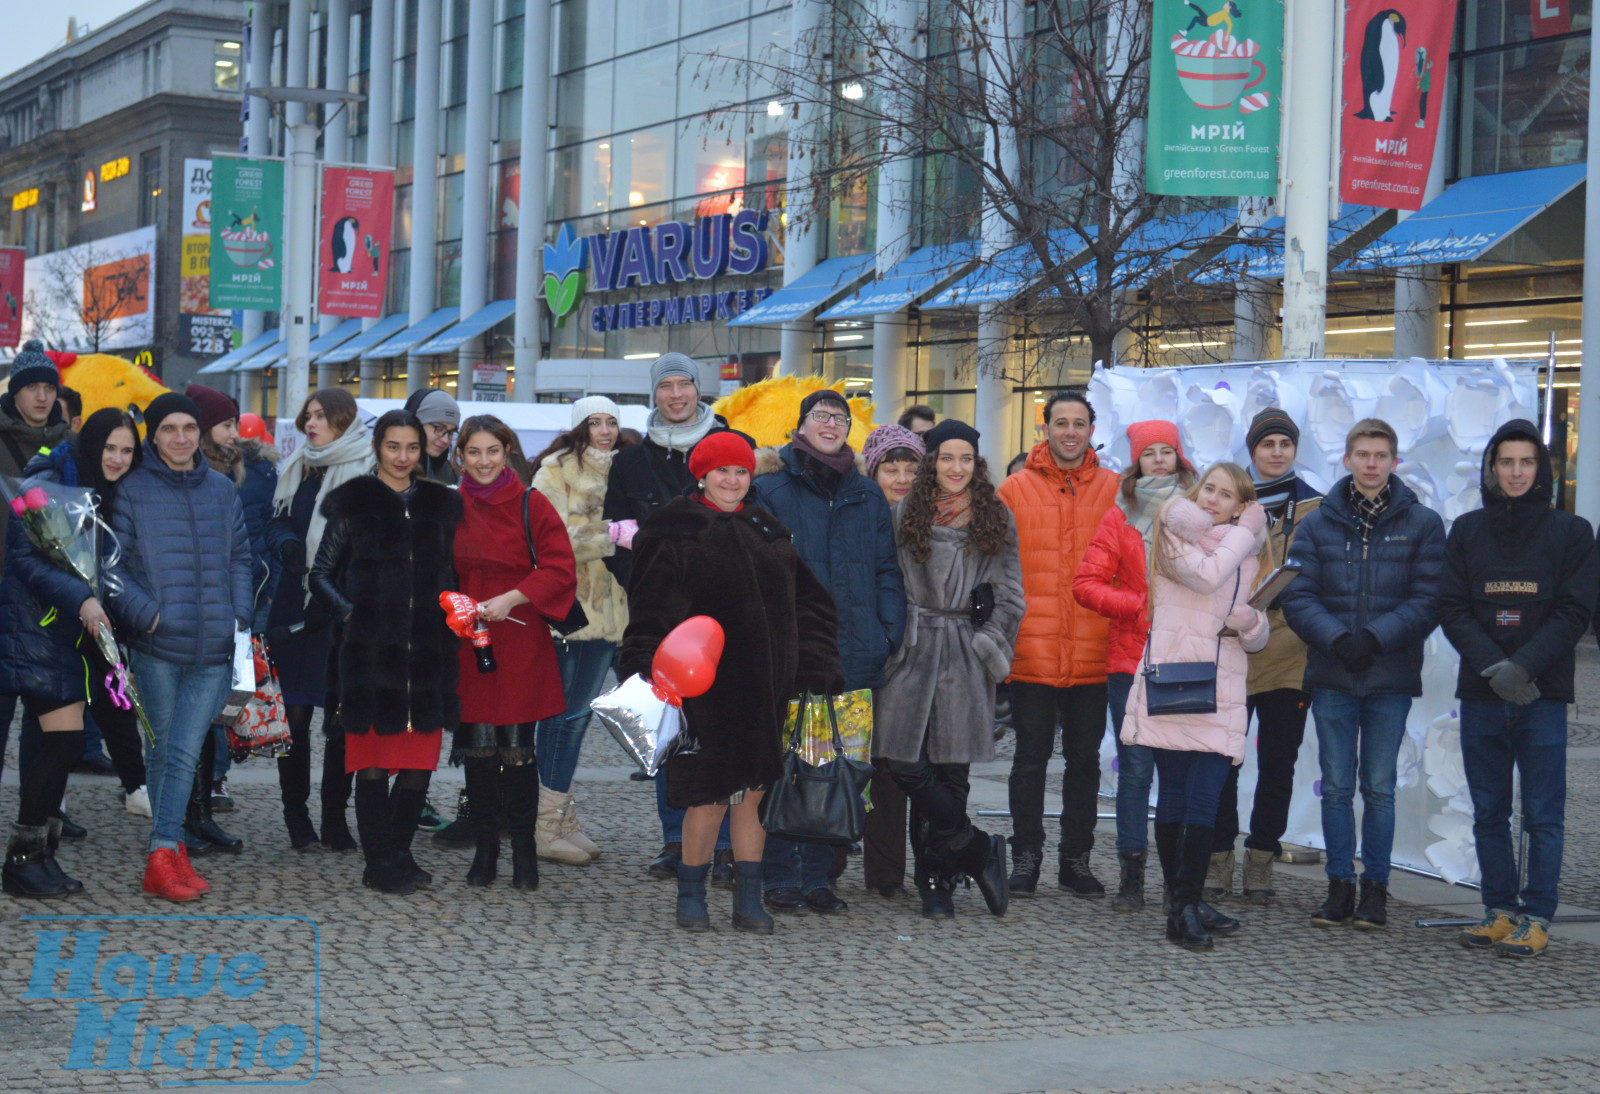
<point>769,411</point>
<point>103,380</point>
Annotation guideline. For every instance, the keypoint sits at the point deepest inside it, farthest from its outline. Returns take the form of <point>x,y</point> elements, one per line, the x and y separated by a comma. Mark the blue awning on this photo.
<point>1464,222</point>
<point>228,360</point>
<point>1161,243</point>
<point>1009,273</point>
<point>1259,254</point>
<point>808,292</point>
<point>274,351</point>
<point>921,272</point>
<point>414,335</point>
<point>386,327</point>
<point>335,338</point>
<point>469,328</point>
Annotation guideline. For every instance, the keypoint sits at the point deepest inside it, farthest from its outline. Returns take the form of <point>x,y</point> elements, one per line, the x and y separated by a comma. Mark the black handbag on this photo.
<point>821,803</point>
<point>1184,687</point>
<point>577,618</point>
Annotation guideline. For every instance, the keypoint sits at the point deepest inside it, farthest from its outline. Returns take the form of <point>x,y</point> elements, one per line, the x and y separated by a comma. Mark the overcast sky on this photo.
<point>33,29</point>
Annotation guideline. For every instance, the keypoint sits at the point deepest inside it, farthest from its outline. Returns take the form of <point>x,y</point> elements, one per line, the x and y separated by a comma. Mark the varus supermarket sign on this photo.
<point>671,253</point>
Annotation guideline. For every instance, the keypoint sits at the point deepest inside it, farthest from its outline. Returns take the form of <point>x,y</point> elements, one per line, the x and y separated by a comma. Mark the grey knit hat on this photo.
<point>674,364</point>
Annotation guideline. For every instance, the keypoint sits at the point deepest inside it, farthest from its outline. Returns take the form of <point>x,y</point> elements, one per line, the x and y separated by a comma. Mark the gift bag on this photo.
<point>261,728</point>
<point>854,710</point>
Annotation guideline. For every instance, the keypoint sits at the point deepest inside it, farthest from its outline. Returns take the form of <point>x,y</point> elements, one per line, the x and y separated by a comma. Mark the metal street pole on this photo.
<point>299,248</point>
<point>526,340</point>
<point>1588,463</point>
<point>1308,167</point>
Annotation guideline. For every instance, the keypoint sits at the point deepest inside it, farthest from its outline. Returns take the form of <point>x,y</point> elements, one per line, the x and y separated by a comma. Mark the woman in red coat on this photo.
<point>1113,580</point>
<point>501,709</point>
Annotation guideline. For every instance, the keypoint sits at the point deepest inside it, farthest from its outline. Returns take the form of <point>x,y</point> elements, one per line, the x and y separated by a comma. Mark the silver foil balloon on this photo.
<point>648,728</point>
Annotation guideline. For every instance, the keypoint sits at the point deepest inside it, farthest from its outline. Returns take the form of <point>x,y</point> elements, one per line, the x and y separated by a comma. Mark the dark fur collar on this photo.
<point>689,517</point>
<point>368,496</point>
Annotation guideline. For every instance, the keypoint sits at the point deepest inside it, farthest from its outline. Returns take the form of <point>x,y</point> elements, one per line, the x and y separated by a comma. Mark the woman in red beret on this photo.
<point>712,553</point>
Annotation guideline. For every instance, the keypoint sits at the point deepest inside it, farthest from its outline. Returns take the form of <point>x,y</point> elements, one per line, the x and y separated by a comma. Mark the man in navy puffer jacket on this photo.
<point>1365,602</point>
<point>843,531</point>
<point>184,588</point>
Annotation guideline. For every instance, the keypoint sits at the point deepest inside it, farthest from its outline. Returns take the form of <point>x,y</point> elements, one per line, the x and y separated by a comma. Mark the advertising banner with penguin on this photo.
<point>1216,69</point>
<point>1395,56</point>
<point>353,241</point>
<point>12,264</point>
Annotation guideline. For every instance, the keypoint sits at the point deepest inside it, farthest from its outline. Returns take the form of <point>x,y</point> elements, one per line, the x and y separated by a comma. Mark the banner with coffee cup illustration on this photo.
<point>1216,72</point>
<point>1395,56</point>
<point>246,233</point>
<point>353,242</point>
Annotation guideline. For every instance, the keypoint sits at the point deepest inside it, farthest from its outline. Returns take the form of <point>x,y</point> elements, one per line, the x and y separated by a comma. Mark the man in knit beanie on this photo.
<point>440,415</point>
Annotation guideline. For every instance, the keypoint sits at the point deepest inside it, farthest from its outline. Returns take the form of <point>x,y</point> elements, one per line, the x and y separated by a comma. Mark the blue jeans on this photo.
<point>1136,768</point>
<point>1358,733</point>
<point>789,865</point>
<point>181,700</point>
<point>1494,737</point>
<point>558,740</point>
<point>672,819</point>
<point>1191,782</point>
<point>223,760</point>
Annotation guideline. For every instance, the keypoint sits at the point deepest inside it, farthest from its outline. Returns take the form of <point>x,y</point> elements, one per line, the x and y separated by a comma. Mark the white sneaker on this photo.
<point>138,802</point>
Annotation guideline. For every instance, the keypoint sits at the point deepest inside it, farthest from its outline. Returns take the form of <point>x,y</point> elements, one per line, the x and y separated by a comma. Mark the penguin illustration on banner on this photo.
<point>343,241</point>
<point>1380,65</point>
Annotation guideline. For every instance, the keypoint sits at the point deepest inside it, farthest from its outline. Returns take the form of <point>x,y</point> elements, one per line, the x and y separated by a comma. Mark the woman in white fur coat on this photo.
<point>572,476</point>
<point>1208,553</point>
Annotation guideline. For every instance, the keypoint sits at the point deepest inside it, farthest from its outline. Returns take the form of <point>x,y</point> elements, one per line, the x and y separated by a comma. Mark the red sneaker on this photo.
<point>186,872</point>
<point>163,877</point>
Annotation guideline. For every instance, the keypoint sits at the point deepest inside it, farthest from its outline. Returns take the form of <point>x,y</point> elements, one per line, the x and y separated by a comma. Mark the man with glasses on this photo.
<point>842,530</point>
<point>440,415</point>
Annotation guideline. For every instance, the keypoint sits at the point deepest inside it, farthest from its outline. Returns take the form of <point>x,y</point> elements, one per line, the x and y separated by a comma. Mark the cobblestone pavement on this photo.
<point>590,969</point>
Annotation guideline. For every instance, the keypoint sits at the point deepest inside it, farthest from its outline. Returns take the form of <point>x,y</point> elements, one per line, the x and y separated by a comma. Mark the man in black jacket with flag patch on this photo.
<point>1518,591</point>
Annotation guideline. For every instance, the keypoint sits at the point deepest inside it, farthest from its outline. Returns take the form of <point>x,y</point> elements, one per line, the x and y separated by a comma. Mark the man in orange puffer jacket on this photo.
<point>1058,675</point>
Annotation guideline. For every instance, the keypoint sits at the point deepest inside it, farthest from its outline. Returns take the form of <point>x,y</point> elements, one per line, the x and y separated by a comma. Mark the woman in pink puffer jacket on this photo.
<point>1207,552</point>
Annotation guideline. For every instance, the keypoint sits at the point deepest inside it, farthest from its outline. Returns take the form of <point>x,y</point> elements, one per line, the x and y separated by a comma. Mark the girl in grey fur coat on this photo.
<point>934,716</point>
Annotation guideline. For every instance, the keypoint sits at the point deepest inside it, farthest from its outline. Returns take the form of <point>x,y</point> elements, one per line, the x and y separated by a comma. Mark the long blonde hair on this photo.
<point>1161,555</point>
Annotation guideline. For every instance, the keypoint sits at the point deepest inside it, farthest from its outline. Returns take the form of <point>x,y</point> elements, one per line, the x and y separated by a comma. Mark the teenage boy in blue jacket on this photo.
<point>842,530</point>
<point>1365,602</point>
<point>1518,592</point>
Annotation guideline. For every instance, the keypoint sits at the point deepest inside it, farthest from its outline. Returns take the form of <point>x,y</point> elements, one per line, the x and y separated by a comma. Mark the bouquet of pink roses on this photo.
<point>60,522</point>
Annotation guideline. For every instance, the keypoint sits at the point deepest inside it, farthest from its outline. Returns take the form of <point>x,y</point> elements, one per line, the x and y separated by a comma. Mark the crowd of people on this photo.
<point>1187,604</point>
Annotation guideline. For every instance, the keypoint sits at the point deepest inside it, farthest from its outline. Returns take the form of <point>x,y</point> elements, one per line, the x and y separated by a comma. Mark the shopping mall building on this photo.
<point>662,177</point>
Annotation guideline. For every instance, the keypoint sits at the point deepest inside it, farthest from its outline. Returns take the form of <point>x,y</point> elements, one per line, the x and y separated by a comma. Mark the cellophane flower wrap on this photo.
<point>60,522</point>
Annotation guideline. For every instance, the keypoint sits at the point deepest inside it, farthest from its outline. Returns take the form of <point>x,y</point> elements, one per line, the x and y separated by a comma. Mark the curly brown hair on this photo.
<point>986,528</point>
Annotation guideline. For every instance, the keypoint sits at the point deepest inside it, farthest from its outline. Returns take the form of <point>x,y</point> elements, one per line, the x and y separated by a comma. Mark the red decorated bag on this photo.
<point>261,728</point>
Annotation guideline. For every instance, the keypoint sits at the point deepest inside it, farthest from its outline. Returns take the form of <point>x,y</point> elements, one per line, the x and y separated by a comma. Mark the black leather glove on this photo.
<point>1356,652</point>
<point>1511,682</point>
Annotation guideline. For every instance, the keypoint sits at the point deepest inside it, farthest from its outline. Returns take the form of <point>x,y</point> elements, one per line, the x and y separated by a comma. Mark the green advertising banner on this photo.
<point>1216,71</point>
<point>247,233</point>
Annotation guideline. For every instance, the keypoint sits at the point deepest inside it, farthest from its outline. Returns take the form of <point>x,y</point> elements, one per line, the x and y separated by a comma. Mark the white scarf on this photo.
<point>346,458</point>
<point>1150,494</point>
<point>684,436</point>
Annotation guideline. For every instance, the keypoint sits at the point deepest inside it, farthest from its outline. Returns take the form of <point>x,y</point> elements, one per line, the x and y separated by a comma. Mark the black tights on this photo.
<point>47,780</point>
<point>408,779</point>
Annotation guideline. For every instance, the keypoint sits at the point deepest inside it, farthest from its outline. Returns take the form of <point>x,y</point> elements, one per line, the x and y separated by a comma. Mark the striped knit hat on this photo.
<point>1270,421</point>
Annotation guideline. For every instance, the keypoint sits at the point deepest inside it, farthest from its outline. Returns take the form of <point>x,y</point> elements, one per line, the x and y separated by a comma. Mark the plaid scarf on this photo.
<point>1369,509</point>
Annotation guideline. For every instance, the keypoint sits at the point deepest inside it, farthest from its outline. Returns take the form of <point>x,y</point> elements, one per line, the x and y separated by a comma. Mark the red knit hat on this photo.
<point>1141,435</point>
<point>721,449</point>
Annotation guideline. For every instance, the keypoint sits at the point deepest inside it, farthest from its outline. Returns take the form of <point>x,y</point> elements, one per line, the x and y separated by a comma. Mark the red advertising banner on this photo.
<point>1550,17</point>
<point>353,243</point>
<point>1396,53</point>
<point>11,261</point>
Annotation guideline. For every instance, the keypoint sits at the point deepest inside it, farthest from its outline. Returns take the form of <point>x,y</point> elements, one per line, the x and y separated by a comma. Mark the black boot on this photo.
<point>1195,844</point>
<point>1130,888</point>
<point>372,820</point>
<point>199,820</point>
<point>748,914</point>
<point>1167,856</point>
<point>1340,907</point>
<point>294,780</point>
<point>459,832</point>
<point>26,872</point>
<point>52,844</point>
<point>519,798</point>
<point>1075,877</point>
<point>1185,925</point>
<point>692,915</point>
<point>1372,913</point>
<point>1025,863</point>
<point>335,793</point>
<point>405,810</point>
<point>485,822</point>
<point>982,857</point>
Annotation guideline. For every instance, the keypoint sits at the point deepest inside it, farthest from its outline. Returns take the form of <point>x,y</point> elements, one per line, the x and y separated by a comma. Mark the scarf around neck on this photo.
<point>681,438</point>
<point>345,458</point>
<point>1368,510</point>
<point>482,491</point>
<point>952,510</point>
<point>839,462</point>
<point>1150,493</point>
<point>1273,494</point>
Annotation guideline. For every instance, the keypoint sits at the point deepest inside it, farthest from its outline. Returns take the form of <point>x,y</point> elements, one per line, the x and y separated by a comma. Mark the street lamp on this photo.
<point>299,234</point>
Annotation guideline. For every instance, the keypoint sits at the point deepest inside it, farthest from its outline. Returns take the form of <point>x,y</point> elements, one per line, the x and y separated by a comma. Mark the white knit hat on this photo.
<point>593,404</point>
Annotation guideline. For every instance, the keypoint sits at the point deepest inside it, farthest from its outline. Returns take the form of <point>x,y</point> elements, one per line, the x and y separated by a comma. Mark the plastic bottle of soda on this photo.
<point>481,646</point>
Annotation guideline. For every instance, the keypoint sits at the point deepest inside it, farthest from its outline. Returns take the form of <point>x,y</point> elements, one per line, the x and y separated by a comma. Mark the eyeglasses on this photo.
<point>822,417</point>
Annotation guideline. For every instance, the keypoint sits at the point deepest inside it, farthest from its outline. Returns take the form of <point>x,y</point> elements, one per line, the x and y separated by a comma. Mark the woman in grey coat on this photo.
<point>934,716</point>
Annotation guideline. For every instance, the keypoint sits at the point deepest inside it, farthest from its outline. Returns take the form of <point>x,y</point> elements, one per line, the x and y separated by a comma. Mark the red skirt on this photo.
<point>409,751</point>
